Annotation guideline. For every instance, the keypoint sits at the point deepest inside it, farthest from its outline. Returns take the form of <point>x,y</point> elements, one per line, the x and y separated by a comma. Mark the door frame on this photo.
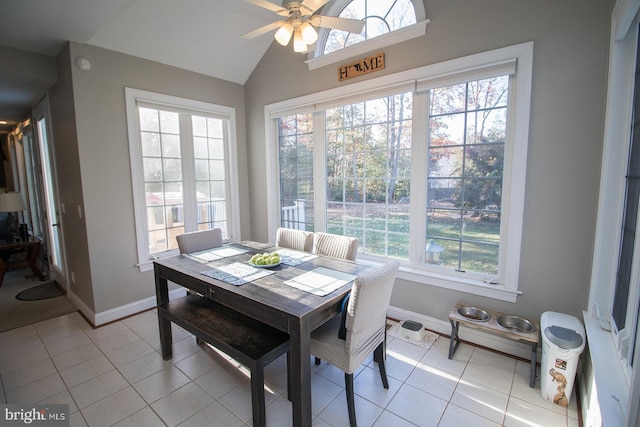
<point>57,272</point>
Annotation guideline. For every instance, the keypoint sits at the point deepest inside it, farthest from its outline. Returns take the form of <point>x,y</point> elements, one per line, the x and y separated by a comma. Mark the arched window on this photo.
<point>381,17</point>
<point>387,22</point>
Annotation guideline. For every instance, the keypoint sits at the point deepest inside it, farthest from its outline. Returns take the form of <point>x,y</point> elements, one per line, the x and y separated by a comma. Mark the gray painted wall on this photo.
<point>566,130</point>
<point>98,179</point>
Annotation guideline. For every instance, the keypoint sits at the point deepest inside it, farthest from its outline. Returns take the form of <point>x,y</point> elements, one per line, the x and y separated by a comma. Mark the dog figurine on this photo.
<point>560,398</point>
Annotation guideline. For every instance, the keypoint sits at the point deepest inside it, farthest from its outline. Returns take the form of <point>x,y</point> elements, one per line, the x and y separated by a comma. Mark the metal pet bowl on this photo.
<point>515,323</point>
<point>474,313</point>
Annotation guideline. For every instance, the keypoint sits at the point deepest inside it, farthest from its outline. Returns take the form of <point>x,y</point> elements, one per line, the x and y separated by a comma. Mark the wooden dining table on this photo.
<point>267,299</point>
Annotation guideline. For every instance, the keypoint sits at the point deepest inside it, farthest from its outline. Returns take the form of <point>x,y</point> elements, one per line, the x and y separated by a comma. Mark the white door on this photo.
<point>51,215</point>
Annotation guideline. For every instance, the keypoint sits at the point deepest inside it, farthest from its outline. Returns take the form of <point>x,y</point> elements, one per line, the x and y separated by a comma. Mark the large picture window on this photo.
<point>181,153</point>
<point>434,162</point>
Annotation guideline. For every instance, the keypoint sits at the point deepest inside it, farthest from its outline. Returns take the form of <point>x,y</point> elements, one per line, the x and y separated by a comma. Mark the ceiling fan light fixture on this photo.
<point>309,34</point>
<point>299,46</point>
<point>283,35</point>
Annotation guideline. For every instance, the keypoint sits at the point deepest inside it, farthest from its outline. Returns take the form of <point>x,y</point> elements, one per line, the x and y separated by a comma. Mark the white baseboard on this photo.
<point>485,339</point>
<point>104,317</point>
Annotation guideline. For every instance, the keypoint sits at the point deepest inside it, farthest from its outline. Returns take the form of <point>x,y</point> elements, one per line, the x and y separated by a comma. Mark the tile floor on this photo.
<point>114,375</point>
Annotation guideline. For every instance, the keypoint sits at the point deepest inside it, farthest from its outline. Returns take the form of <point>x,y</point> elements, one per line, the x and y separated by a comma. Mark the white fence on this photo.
<point>293,216</point>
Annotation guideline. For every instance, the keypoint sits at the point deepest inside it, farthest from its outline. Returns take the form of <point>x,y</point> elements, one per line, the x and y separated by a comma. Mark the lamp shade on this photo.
<point>12,202</point>
<point>283,35</point>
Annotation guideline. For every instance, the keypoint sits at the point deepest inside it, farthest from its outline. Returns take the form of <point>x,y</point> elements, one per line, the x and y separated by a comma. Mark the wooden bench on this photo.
<point>492,326</point>
<point>251,342</point>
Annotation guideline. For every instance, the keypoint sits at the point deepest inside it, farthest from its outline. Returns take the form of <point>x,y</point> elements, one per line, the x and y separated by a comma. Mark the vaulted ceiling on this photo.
<point>198,35</point>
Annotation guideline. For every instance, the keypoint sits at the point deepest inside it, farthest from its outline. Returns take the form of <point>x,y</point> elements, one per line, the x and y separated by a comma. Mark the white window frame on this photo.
<point>617,385</point>
<point>316,59</point>
<point>132,98</point>
<point>516,151</point>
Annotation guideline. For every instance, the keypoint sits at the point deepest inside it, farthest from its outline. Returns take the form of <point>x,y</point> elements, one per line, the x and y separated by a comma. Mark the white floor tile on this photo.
<point>117,340</point>
<point>98,388</point>
<point>337,413</point>
<point>36,391</point>
<point>238,400</point>
<point>524,414</point>
<point>417,406</point>
<point>113,408</point>
<point>388,419</point>
<point>69,342</point>
<point>27,374</point>
<point>455,416</point>
<point>219,382</point>
<point>116,375</point>
<point>143,367</point>
<point>86,371</point>
<point>433,380</point>
<point>368,384</point>
<point>214,415</point>
<point>481,400</point>
<point>76,356</point>
<point>129,353</point>
<point>143,418</point>
<point>182,404</point>
<point>161,384</point>
<point>490,375</point>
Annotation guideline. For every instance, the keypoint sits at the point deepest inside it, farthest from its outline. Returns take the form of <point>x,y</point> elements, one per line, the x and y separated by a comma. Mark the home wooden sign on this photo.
<point>361,67</point>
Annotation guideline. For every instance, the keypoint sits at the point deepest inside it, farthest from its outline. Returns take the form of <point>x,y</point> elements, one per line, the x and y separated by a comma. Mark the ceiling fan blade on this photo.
<point>342,24</point>
<point>262,30</point>
<point>269,6</point>
<point>310,6</point>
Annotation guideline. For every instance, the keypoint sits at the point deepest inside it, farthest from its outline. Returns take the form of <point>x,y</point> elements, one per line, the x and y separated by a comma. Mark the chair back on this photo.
<point>298,240</point>
<point>368,303</point>
<point>196,241</point>
<point>335,246</point>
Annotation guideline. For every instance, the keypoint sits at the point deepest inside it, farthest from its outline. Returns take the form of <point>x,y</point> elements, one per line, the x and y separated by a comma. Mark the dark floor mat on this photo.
<point>44,291</point>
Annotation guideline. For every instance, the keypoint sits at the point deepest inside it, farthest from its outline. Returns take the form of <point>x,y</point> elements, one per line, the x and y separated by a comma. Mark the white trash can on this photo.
<point>563,339</point>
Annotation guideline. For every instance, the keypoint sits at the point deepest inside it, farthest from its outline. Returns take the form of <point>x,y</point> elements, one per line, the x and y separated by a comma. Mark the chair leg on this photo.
<point>378,356</point>
<point>351,406</point>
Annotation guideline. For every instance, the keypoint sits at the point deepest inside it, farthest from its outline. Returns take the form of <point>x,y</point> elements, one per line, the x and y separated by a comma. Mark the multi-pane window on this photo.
<point>180,171</point>
<point>433,164</point>
<point>162,165</point>
<point>368,150</point>
<point>467,131</point>
<point>368,157</point>
<point>210,172</point>
<point>380,16</point>
<point>295,142</point>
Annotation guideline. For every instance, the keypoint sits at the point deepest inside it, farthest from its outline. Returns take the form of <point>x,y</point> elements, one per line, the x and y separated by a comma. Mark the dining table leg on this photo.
<point>300,362</point>
<point>162,298</point>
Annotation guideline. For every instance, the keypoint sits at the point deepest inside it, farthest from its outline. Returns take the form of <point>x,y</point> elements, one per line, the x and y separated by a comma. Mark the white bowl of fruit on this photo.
<point>265,260</point>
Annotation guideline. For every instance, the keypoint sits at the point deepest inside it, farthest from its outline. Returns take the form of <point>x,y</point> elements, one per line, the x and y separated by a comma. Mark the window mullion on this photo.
<point>419,173</point>
<point>188,174</point>
<point>319,171</point>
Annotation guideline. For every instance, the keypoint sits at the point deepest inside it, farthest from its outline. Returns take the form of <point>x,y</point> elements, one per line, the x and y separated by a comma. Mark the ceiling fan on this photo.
<point>300,22</point>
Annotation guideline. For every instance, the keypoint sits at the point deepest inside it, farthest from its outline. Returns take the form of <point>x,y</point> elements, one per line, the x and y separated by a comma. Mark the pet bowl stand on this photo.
<point>492,326</point>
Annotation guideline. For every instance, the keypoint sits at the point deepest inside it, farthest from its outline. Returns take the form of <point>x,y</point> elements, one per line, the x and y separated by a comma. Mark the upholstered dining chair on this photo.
<point>196,241</point>
<point>347,340</point>
<point>298,240</point>
<point>201,240</point>
<point>336,246</point>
